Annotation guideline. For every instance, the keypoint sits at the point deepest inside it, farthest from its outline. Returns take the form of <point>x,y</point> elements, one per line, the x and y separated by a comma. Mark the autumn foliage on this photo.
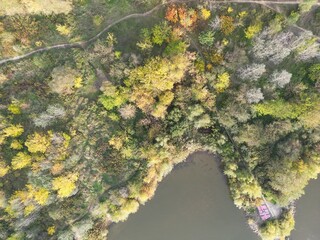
<point>180,14</point>
<point>172,14</point>
<point>227,24</point>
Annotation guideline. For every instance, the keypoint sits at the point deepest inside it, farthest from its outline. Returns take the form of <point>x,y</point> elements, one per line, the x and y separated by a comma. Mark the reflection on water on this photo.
<point>308,214</point>
<point>192,203</point>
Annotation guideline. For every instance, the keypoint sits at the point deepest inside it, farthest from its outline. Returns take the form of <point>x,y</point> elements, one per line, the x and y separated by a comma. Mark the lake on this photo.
<point>308,214</point>
<point>191,203</point>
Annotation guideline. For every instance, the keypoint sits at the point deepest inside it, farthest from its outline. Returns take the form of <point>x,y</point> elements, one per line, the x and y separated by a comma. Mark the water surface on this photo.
<point>308,214</point>
<point>191,203</point>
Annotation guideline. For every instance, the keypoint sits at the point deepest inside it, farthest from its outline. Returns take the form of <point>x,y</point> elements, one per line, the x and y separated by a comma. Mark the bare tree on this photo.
<point>48,117</point>
<point>274,48</point>
<point>127,111</point>
<point>252,72</point>
<point>254,95</point>
<point>215,23</point>
<point>280,78</point>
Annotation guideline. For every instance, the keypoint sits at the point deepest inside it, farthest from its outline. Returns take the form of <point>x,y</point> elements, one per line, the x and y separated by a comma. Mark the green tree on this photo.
<point>281,109</point>
<point>206,38</point>
<point>161,33</point>
<point>314,72</point>
<point>175,48</point>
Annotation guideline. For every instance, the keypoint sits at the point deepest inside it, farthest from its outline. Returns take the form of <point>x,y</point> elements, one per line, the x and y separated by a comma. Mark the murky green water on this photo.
<point>308,214</point>
<point>192,203</point>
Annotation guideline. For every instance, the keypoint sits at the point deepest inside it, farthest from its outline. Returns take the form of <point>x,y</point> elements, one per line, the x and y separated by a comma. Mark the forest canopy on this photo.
<point>88,129</point>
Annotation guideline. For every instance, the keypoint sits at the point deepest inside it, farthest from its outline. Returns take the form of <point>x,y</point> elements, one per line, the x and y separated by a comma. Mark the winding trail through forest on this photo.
<point>83,44</point>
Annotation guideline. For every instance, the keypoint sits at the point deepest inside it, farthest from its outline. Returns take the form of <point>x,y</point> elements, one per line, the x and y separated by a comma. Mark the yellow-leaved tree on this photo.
<point>223,82</point>
<point>154,80</point>
<point>38,194</point>
<point>37,142</point>
<point>65,185</point>
<point>205,13</point>
<point>4,169</point>
<point>21,160</point>
<point>13,130</point>
<point>63,29</point>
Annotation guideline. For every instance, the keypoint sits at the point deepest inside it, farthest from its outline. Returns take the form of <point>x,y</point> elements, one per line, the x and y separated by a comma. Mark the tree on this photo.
<point>223,82</point>
<point>157,76</point>
<point>276,47</point>
<point>113,96</point>
<point>63,29</point>
<point>116,142</point>
<point>78,82</point>
<point>47,118</point>
<point>4,169</point>
<point>215,24</point>
<point>195,111</point>
<point>15,144</point>
<point>160,33</point>
<point>254,95</point>
<point>21,160</point>
<point>127,111</point>
<point>251,134</point>
<point>278,228</point>
<point>311,118</point>
<point>165,100</point>
<point>252,72</point>
<point>280,78</point>
<point>63,80</point>
<point>172,14</point>
<point>227,25</point>
<point>205,13</point>
<point>65,185</point>
<point>37,142</point>
<point>206,38</point>
<point>314,72</point>
<point>14,108</point>
<point>39,194</point>
<point>203,121</point>
<point>81,228</point>
<point>13,130</point>
<point>306,5</point>
<point>186,17</point>
<point>51,230</point>
<point>146,42</point>
<point>306,46</point>
<point>280,171</point>
<point>272,47</point>
<point>253,30</point>
<point>175,48</point>
<point>121,214</point>
<point>281,109</point>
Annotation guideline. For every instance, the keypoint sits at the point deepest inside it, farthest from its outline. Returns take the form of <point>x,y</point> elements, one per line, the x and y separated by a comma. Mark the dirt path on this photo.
<point>84,44</point>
